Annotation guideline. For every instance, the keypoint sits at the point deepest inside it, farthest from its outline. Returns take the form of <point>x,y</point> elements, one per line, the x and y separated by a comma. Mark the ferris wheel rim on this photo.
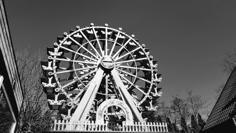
<point>114,43</point>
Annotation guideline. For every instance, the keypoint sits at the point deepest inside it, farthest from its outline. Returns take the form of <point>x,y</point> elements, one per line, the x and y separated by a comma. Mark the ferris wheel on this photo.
<point>91,66</point>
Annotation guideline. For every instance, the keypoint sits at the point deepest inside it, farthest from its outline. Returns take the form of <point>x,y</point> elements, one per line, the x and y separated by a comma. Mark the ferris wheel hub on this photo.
<point>107,62</point>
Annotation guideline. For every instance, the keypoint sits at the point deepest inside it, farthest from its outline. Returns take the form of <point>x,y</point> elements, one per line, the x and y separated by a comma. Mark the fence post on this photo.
<point>148,126</point>
<point>92,125</point>
<point>54,125</point>
<point>58,125</point>
<point>139,126</point>
<point>123,126</point>
<point>105,126</point>
<point>156,127</point>
<point>64,124</point>
<point>61,124</point>
<point>151,126</point>
<point>61,128</point>
<point>96,127</point>
<point>166,127</point>
<point>162,127</point>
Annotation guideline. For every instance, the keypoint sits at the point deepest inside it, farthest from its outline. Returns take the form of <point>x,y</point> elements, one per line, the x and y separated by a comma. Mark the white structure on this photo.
<point>100,74</point>
<point>90,126</point>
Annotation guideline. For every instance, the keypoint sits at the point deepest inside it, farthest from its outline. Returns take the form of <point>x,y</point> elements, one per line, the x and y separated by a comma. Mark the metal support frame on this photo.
<point>84,106</point>
<point>127,97</point>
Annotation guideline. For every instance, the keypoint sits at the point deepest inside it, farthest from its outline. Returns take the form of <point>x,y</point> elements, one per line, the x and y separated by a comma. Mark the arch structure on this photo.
<point>113,102</point>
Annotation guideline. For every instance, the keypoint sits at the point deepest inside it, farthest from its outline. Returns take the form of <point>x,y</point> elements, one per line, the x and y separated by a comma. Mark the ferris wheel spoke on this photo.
<point>139,68</point>
<point>77,79</point>
<point>68,96</point>
<point>83,47</point>
<point>85,56</point>
<point>98,42</point>
<point>77,97</point>
<point>132,60</point>
<point>70,83</point>
<point>134,75</point>
<point>90,44</point>
<point>74,70</point>
<point>132,84</point>
<point>87,74</point>
<point>130,52</point>
<point>106,91</point>
<point>69,60</point>
<point>121,48</point>
<point>106,38</point>
<point>114,44</point>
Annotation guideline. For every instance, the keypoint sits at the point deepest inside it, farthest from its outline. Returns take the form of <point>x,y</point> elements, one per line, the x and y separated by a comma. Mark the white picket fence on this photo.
<point>64,125</point>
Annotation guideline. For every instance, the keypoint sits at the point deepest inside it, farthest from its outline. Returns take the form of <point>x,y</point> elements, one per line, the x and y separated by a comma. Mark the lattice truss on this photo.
<point>78,55</point>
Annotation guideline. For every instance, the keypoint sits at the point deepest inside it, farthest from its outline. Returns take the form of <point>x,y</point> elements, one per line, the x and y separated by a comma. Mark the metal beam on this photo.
<point>127,97</point>
<point>85,104</point>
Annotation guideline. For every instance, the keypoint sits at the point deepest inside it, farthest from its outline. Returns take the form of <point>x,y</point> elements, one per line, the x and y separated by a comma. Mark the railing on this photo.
<point>63,125</point>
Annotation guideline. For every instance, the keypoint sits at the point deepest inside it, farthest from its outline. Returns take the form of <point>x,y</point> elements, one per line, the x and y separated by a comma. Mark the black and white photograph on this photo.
<point>117,66</point>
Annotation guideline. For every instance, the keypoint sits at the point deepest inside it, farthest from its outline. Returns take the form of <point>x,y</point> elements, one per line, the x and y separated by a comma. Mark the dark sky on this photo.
<point>189,38</point>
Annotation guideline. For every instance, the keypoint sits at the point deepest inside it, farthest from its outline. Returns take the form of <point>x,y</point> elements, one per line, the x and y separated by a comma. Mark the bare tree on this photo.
<point>163,112</point>
<point>195,103</point>
<point>200,121</point>
<point>183,108</point>
<point>195,128</point>
<point>179,108</point>
<point>34,114</point>
<point>184,125</point>
<point>5,114</point>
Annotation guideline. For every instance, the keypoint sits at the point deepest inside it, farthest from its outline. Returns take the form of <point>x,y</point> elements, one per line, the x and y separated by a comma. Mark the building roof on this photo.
<point>225,104</point>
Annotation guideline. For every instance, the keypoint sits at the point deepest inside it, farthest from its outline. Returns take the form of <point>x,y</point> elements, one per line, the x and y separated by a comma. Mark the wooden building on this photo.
<point>10,87</point>
<point>223,115</point>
